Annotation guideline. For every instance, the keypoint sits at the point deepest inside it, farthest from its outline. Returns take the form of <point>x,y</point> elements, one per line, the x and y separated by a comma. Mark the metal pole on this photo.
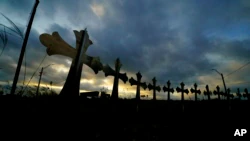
<point>23,49</point>
<point>225,86</point>
<point>222,80</point>
<point>41,73</point>
<point>51,86</point>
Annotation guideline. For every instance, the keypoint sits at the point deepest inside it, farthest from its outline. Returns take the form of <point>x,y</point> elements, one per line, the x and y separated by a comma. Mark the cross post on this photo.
<point>195,91</point>
<point>138,83</point>
<point>168,89</point>
<point>217,92</point>
<point>154,87</point>
<point>207,92</point>
<point>108,71</point>
<point>239,94</point>
<point>246,94</point>
<point>182,90</point>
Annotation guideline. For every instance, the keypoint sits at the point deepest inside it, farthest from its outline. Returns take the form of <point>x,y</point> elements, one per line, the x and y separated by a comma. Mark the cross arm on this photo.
<point>94,63</point>
<point>167,89</point>
<point>195,91</point>
<point>123,77</point>
<point>132,81</point>
<point>150,86</point>
<point>144,85</point>
<point>158,88</point>
<point>56,45</point>
<point>108,71</point>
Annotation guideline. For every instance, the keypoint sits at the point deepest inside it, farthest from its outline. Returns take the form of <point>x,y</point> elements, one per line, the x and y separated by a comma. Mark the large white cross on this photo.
<point>57,46</point>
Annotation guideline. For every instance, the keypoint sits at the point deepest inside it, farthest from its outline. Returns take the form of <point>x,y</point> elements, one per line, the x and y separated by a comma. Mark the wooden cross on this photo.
<point>182,90</point>
<point>217,92</point>
<point>108,71</point>
<point>207,92</point>
<point>195,91</point>
<point>231,96</point>
<point>138,83</point>
<point>223,94</point>
<point>57,46</point>
<point>246,94</point>
<point>168,89</point>
<point>154,87</point>
<point>239,94</point>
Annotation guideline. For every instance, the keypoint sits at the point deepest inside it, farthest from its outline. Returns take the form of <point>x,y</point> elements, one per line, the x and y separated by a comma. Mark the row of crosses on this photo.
<point>57,46</point>
<point>182,90</point>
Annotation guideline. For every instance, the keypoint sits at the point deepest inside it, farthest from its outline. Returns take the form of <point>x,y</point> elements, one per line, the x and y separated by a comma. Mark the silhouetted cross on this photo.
<point>117,75</point>
<point>239,94</point>
<point>57,46</point>
<point>154,87</point>
<point>207,92</point>
<point>195,91</point>
<point>182,90</point>
<point>231,96</point>
<point>168,89</point>
<point>246,94</point>
<point>217,92</point>
<point>223,94</point>
<point>138,83</point>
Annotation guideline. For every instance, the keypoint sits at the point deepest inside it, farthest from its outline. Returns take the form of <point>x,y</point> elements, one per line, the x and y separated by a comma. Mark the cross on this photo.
<point>231,96</point>
<point>223,94</point>
<point>246,94</point>
<point>154,87</point>
<point>207,92</point>
<point>195,91</point>
<point>238,94</point>
<point>168,89</point>
<point>117,75</point>
<point>57,46</point>
<point>217,92</point>
<point>138,83</point>
<point>182,90</point>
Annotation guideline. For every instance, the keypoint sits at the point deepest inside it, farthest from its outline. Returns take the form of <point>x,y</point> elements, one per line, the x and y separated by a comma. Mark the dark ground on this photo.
<point>108,120</point>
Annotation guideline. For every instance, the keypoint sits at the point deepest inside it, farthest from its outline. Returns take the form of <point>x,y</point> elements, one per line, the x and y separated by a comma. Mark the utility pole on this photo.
<point>225,86</point>
<point>41,73</point>
<point>51,86</point>
<point>223,83</point>
<point>23,49</point>
<point>226,92</point>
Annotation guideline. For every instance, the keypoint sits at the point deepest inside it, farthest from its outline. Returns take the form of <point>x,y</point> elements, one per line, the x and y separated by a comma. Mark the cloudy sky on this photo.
<point>180,40</point>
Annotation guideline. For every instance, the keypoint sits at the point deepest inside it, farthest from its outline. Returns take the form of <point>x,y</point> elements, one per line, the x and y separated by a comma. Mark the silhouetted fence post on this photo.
<point>154,87</point>
<point>117,75</point>
<point>138,83</point>
<point>217,92</point>
<point>195,91</point>
<point>168,89</point>
<point>207,92</point>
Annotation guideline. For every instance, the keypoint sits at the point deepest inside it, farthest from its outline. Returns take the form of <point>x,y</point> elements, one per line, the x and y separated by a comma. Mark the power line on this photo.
<point>238,69</point>
<point>34,73</point>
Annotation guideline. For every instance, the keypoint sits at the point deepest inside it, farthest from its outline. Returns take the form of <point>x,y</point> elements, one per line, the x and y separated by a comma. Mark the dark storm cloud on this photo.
<point>165,39</point>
